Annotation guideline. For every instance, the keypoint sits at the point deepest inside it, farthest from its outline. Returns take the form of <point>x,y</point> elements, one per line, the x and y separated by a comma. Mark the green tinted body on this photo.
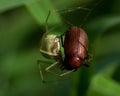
<point>50,46</point>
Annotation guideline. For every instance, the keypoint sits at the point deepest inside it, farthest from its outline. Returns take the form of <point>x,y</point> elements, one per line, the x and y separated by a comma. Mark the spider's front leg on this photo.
<point>47,69</point>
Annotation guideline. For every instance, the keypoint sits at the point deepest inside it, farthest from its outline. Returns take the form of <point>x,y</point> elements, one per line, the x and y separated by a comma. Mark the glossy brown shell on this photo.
<point>75,48</point>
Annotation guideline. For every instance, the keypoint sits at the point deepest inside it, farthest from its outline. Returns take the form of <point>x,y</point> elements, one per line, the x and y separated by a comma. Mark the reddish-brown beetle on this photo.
<point>75,49</point>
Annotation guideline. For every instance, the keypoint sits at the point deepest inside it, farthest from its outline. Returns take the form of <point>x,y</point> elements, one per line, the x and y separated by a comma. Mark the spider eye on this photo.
<point>56,39</point>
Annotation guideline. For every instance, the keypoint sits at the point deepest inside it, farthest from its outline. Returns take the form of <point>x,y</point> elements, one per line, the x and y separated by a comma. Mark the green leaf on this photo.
<point>14,29</point>
<point>9,4</point>
<point>40,10</point>
<point>100,25</point>
<point>103,85</point>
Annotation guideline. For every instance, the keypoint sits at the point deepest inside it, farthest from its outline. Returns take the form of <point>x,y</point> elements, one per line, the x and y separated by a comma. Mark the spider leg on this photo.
<point>68,72</point>
<point>46,69</point>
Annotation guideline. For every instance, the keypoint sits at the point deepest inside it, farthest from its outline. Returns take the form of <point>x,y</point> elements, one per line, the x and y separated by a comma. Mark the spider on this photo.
<point>75,49</point>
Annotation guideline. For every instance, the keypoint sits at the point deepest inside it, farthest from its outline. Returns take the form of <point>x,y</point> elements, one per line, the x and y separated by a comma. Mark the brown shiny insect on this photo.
<point>75,47</point>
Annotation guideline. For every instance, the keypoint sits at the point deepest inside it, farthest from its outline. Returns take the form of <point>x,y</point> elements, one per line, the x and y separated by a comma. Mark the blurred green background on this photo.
<point>22,24</point>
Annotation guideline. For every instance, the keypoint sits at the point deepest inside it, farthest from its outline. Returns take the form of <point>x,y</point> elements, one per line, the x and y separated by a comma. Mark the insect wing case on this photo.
<point>75,47</point>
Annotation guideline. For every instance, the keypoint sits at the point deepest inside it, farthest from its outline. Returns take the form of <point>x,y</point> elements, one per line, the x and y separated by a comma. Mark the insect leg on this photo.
<point>88,60</point>
<point>68,72</point>
<point>49,67</point>
<point>41,74</point>
<point>46,69</point>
